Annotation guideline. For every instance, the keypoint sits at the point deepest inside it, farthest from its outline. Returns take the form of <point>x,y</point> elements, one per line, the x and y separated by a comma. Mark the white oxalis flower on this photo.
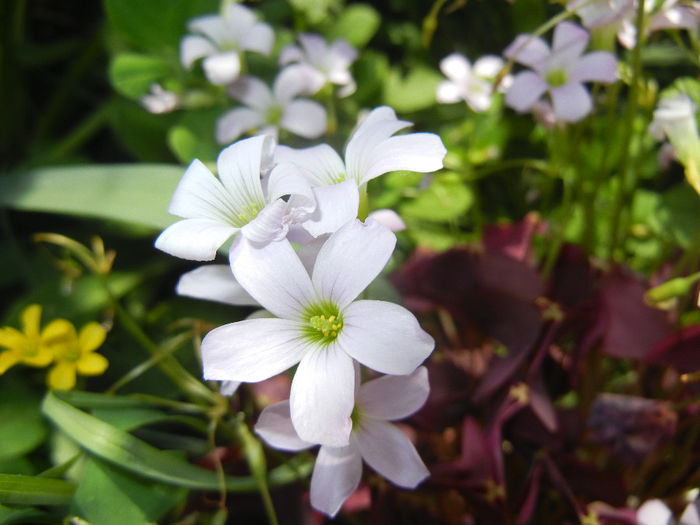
<point>383,446</point>
<point>559,71</point>
<point>669,15</point>
<point>674,119</point>
<point>370,152</point>
<point>319,325</point>
<point>326,63</point>
<point>272,109</point>
<point>159,100</point>
<point>214,208</point>
<point>221,39</point>
<point>473,84</point>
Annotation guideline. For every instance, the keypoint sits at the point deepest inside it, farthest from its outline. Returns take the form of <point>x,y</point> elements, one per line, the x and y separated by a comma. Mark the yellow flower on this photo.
<point>32,346</point>
<point>77,355</point>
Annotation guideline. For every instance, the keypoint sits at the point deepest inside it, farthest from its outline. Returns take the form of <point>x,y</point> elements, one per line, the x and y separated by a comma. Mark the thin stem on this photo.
<point>628,130</point>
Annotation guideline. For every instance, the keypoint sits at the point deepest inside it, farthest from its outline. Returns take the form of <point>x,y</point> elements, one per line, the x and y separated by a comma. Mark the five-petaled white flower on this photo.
<point>318,324</point>
<point>214,208</point>
<point>221,39</point>
<point>272,109</point>
<point>473,84</point>
<point>326,63</point>
<point>560,71</point>
<point>383,446</point>
<point>370,152</point>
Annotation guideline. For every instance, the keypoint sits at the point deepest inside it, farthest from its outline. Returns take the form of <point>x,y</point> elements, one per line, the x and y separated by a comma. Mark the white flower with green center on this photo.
<point>560,71</point>
<point>383,446</point>
<point>221,39</point>
<point>214,208</point>
<point>371,151</point>
<point>267,110</point>
<point>318,325</point>
<point>473,84</point>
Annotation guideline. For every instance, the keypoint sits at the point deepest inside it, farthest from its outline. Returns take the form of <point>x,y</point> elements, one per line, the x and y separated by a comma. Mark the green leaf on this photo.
<point>679,214</point>
<point>357,24</point>
<point>16,489</point>
<point>132,74</point>
<point>137,193</point>
<point>155,25</point>
<point>193,137</point>
<point>446,199</point>
<point>9,516</point>
<point>120,448</point>
<point>110,496</point>
<point>413,92</point>
<point>22,428</point>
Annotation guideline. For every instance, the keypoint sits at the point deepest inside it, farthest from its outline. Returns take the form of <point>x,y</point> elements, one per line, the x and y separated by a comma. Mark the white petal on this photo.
<point>348,89</point>
<point>259,38</point>
<point>321,165</point>
<point>336,475</point>
<point>571,102</point>
<point>275,427</point>
<point>273,275</point>
<point>194,239</point>
<point>290,53</point>
<point>448,92</point>
<point>627,34</point>
<point>199,194</point>
<point>351,259</point>
<point>568,43</point>
<point>235,122</point>
<point>342,52</point>
<point>222,68</point>
<point>252,350</point>
<point>212,26</point>
<point>456,67</point>
<point>421,152</point>
<point>240,167</point>
<point>691,514</point>
<point>654,512</point>
<point>214,282</point>
<point>305,118</point>
<point>337,205</point>
<point>270,225</point>
<point>529,51</point>
<point>314,46</point>
<point>293,81</point>
<point>386,449</point>
<point>288,180</point>
<point>193,47</point>
<point>252,92</point>
<point>309,251</point>
<point>388,218</point>
<point>488,66</point>
<point>527,88</point>
<point>384,337</point>
<point>599,66</point>
<point>323,396</point>
<point>239,19</point>
<point>228,388</point>
<point>394,397</point>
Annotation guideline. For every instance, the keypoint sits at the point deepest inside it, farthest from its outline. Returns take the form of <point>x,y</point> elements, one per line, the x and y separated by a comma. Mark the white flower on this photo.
<point>655,512</point>
<point>598,13</point>
<point>318,326</point>
<point>159,100</point>
<point>214,282</point>
<point>214,208</point>
<point>279,108</point>
<point>221,39</point>
<point>383,446</point>
<point>674,119</point>
<point>669,15</point>
<point>327,63</point>
<point>474,84</point>
<point>560,71</point>
<point>370,152</point>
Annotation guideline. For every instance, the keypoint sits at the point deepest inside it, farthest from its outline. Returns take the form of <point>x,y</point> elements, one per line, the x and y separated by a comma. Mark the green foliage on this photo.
<point>357,24</point>
<point>22,429</point>
<point>412,92</point>
<point>132,74</point>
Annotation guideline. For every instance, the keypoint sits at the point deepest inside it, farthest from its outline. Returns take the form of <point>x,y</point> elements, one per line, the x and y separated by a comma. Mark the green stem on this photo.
<point>632,102</point>
<point>79,135</point>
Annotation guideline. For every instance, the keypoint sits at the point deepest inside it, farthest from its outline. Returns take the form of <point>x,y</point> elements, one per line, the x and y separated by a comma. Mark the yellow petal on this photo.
<point>43,357</point>
<point>12,338</point>
<point>92,364</point>
<point>31,319</point>
<point>58,331</point>
<point>7,359</point>
<point>62,376</point>
<point>91,337</point>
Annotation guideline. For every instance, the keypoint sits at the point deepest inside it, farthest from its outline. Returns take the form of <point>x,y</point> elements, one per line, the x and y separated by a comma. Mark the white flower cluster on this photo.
<point>266,197</point>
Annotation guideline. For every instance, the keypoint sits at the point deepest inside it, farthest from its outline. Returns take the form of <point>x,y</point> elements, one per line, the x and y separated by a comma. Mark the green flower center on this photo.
<point>324,323</point>
<point>557,77</point>
<point>247,213</point>
<point>274,115</point>
<point>356,418</point>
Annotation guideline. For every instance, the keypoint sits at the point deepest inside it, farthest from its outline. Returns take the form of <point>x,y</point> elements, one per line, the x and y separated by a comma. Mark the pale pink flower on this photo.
<point>473,84</point>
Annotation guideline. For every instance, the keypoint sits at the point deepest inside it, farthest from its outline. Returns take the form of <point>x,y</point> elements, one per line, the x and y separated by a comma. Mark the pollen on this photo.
<point>326,325</point>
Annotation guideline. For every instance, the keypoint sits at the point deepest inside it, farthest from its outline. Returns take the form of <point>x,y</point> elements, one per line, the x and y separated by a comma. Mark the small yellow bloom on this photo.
<point>32,346</point>
<point>77,355</point>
